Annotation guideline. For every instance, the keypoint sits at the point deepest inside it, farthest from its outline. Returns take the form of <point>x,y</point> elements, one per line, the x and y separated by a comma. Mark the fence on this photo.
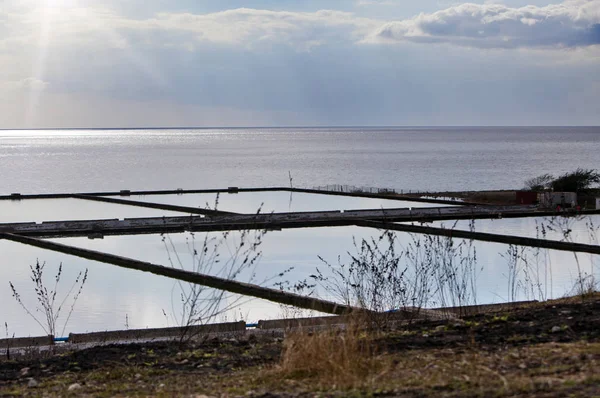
<point>374,190</point>
<point>353,189</point>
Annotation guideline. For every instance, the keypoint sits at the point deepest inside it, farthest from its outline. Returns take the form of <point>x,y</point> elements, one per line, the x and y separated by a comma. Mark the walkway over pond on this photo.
<point>229,221</point>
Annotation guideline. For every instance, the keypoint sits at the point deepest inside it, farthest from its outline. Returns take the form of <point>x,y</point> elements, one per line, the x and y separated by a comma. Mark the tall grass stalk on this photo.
<point>529,270</point>
<point>455,270</point>
<point>229,255</point>
<point>47,299</point>
<point>8,339</point>
<point>384,276</point>
<point>585,282</point>
<point>226,255</point>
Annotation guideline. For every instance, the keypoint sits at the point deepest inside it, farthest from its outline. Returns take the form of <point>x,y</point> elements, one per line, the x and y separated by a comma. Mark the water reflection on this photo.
<point>39,210</point>
<point>280,201</point>
<point>580,229</point>
<point>114,297</point>
<point>112,293</point>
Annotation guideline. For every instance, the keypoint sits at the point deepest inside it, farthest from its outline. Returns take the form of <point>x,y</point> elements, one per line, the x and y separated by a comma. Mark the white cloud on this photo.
<point>32,83</point>
<point>243,26</point>
<point>85,64</point>
<point>573,23</point>
<point>246,26</point>
<point>366,3</point>
<point>27,84</point>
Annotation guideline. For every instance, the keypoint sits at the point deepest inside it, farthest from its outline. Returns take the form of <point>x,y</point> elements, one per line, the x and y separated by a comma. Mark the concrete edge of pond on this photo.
<point>235,330</point>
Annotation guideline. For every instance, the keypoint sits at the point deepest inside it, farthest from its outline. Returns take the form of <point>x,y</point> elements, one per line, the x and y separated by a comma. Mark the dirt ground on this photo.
<point>545,349</point>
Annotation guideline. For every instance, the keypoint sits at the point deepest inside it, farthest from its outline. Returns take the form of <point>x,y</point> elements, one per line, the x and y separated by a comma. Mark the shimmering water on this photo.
<point>405,158</point>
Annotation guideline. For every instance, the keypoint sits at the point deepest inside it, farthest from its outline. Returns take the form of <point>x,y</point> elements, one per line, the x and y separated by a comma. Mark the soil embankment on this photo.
<point>545,349</point>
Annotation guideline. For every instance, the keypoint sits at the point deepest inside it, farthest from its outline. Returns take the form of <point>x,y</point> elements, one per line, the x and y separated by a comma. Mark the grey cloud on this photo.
<point>244,62</point>
<point>573,23</point>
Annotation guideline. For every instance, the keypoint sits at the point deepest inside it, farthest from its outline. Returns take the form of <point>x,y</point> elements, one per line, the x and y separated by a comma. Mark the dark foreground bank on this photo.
<point>545,349</point>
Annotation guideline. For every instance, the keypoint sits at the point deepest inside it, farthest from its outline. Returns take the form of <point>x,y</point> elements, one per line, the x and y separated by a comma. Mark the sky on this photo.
<point>162,63</point>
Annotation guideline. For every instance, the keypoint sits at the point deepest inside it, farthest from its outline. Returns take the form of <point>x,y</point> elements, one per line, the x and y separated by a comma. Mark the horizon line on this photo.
<point>286,127</point>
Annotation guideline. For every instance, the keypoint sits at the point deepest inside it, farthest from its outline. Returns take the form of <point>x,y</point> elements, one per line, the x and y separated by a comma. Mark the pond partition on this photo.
<point>302,237</point>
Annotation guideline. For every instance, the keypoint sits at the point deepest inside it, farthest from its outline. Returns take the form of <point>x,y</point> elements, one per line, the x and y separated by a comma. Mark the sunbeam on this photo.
<point>39,65</point>
<point>59,3</point>
<point>54,20</point>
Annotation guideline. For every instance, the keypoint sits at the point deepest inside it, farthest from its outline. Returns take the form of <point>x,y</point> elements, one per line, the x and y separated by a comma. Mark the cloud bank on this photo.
<point>63,66</point>
<point>574,23</point>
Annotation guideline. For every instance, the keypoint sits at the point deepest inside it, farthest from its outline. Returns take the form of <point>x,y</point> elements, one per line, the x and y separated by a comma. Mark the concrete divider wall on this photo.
<point>240,327</point>
<point>20,342</point>
<point>143,334</point>
<point>404,314</point>
<point>300,322</point>
<point>484,308</point>
<point>392,316</point>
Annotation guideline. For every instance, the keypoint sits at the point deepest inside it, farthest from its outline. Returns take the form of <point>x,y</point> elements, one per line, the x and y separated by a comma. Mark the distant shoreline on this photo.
<point>285,127</point>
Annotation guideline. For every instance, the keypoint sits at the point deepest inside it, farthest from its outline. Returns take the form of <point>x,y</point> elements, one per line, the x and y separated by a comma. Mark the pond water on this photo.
<point>40,210</point>
<point>580,229</point>
<point>279,201</point>
<point>115,298</point>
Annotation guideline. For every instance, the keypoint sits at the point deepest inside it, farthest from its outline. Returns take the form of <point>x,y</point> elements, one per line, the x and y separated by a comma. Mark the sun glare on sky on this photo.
<point>59,3</point>
<point>50,10</point>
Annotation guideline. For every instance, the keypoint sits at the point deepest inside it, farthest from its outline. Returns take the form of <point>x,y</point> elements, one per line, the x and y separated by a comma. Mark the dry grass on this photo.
<point>548,369</point>
<point>333,357</point>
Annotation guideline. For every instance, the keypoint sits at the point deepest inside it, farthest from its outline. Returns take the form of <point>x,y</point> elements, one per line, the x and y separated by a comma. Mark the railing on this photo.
<point>372,190</point>
<point>353,189</point>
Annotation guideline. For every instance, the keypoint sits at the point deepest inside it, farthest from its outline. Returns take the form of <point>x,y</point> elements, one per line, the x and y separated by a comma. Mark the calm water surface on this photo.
<point>407,158</point>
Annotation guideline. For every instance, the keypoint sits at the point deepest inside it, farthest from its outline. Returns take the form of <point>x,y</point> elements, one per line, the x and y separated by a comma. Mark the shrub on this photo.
<point>576,181</point>
<point>539,183</point>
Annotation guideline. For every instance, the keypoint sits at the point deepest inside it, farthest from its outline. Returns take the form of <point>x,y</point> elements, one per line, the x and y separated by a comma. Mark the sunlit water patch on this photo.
<point>426,159</point>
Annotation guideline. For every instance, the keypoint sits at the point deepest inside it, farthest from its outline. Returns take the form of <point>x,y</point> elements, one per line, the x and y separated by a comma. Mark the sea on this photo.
<point>423,159</point>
